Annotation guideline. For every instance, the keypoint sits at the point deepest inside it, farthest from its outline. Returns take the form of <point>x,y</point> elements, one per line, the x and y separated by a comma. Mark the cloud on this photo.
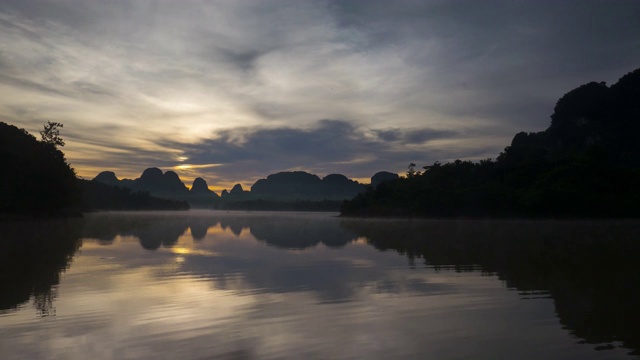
<point>413,136</point>
<point>328,146</point>
<point>447,79</point>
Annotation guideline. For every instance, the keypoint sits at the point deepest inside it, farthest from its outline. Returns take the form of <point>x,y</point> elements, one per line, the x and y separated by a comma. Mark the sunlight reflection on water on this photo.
<point>283,285</point>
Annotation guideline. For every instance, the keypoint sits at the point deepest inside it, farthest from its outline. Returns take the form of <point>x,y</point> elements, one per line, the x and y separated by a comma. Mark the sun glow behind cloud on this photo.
<point>142,84</point>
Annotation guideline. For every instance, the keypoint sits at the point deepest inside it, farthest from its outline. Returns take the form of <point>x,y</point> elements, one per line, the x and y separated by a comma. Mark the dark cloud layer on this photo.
<point>329,146</point>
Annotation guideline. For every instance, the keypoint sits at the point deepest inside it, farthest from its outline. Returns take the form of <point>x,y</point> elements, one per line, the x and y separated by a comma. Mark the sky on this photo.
<point>233,91</point>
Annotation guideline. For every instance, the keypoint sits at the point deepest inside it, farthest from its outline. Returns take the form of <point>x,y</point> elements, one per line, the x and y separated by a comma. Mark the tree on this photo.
<point>412,170</point>
<point>51,134</point>
<point>36,179</point>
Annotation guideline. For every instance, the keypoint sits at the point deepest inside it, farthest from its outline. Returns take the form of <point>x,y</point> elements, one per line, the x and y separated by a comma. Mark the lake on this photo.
<point>260,285</point>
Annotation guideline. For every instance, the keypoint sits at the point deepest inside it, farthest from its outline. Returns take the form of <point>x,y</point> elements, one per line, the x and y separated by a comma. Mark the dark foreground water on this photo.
<point>202,285</point>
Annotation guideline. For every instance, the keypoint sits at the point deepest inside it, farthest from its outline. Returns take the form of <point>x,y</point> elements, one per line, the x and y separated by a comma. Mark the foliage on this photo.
<point>586,164</point>
<point>99,196</point>
<point>51,134</point>
<point>36,179</point>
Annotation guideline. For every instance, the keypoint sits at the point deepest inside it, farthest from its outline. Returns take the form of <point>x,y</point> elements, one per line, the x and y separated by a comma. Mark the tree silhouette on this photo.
<point>412,170</point>
<point>586,164</point>
<point>37,180</point>
<point>51,134</point>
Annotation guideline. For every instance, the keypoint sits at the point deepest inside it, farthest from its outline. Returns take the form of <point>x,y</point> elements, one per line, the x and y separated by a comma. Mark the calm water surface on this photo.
<point>205,284</point>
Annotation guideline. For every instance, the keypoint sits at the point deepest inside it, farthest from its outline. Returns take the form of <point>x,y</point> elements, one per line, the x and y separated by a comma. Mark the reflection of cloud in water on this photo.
<point>247,266</point>
<point>588,269</point>
<point>256,295</point>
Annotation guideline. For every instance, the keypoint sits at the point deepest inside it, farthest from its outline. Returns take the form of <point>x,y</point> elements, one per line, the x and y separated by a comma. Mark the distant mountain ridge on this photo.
<point>164,185</point>
<point>298,185</point>
<point>282,186</point>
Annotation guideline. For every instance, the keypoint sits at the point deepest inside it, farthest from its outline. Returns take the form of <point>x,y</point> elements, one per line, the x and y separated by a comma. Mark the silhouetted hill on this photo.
<point>383,176</point>
<point>200,196</point>
<point>586,164</point>
<point>237,190</point>
<point>339,187</point>
<point>159,184</point>
<point>164,185</point>
<point>200,187</point>
<point>99,196</point>
<point>296,190</point>
<point>36,179</point>
<point>300,185</point>
<point>107,177</point>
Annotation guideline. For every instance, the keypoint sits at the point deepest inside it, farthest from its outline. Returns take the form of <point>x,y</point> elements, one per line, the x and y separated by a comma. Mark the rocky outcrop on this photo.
<point>200,196</point>
<point>200,187</point>
<point>237,190</point>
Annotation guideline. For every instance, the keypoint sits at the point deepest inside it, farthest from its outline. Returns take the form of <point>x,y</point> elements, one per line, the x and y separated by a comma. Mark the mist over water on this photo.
<point>242,285</point>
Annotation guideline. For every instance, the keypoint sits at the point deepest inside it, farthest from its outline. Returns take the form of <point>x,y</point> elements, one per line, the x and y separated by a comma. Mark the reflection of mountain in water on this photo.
<point>155,232</point>
<point>589,269</point>
<point>164,234</point>
<point>152,232</point>
<point>32,257</point>
<point>301,233</point>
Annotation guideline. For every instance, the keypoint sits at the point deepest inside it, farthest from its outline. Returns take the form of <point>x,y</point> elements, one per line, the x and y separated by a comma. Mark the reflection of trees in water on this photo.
<point>589,269</point>
<point>32,257</point>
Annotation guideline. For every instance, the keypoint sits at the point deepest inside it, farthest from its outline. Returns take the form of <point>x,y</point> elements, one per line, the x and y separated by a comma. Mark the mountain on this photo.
<point>300,185</point>
<point>237,190</point>
<point>585,164</point>
<point>296,190</point>
<point>200,186</point>
<point>164,185</point>
<point>108,178</point>
<point>200,196</point>
<point>159,184</point>
<point>382,176</point>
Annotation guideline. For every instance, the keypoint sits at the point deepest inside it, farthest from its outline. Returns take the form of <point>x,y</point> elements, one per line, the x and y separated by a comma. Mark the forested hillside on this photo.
<point>585,164</point>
